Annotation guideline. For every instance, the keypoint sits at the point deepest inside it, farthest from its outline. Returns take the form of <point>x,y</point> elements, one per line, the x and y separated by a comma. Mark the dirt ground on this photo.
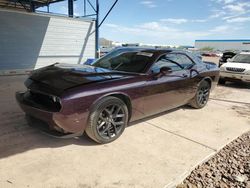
<point>156,152</point>
<point>211,59</point>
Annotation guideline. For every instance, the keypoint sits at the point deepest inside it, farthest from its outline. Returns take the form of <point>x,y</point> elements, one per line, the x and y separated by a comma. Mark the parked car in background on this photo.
<point>225,57</point>
<point>219,54</point>
<point>89,61</point>
<point>236,69</point>
<point>104,51</point>
<point>125,85</point>
<point>196,53</point>
<point>209,54</point>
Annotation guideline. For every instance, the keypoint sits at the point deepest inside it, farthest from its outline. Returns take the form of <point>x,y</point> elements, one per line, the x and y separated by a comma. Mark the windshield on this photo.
<point>242,58</point>
<point>126,61</point>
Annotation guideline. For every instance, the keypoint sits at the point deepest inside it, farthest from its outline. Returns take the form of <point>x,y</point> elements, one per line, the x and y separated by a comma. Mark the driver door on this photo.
<point>168,91</point>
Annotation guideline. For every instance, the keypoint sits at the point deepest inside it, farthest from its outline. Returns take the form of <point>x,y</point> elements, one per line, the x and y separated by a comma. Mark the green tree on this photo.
<point>208,49</point>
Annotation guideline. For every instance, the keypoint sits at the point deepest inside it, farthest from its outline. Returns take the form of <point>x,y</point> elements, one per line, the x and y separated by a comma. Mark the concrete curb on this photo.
<point>182,177</point>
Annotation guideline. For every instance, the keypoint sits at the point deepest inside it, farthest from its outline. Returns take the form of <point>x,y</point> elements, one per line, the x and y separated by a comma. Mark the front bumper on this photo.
<point>234,76</point>
<point>64,125</point>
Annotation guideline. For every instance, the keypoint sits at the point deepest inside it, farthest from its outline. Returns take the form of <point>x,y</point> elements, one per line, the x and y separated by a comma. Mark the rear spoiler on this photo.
<point>210,63</point>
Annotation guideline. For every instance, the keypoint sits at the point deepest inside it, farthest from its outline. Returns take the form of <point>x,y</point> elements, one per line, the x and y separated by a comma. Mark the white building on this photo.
<point>223,44</point>
<point>30,40</point>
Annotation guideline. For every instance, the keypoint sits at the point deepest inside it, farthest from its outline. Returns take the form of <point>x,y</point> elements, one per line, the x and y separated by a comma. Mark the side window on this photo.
<point>165,62</point>
<point>181,59</point>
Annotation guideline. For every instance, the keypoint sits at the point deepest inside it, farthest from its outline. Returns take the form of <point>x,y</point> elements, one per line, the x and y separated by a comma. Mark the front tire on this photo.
<point>222,81</point>
<point>107,120</point>
<point>202,95</point>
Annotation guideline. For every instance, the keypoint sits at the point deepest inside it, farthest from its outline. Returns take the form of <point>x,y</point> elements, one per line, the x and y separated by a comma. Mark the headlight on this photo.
<point>248,72</point>
<point>55,99</point>
<point>222,68</point>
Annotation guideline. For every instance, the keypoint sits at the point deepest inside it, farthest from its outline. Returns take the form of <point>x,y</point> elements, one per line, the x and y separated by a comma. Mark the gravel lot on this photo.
<point>229,168</point>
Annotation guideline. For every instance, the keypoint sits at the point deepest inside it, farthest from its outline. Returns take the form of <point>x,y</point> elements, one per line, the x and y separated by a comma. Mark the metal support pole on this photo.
<point>91,5</point>
<point>70,8</point>
<point>108,13</point>
<point>97,29</point>
<point>85,8</point>
<point>32,6</point>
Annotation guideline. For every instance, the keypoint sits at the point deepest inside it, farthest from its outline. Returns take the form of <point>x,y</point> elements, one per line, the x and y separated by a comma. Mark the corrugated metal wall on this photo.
<point>30,41</point>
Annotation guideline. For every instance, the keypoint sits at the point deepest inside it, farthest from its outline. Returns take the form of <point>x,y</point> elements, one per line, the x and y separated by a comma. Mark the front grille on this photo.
<point>233,69</point>
<point>42,101</point>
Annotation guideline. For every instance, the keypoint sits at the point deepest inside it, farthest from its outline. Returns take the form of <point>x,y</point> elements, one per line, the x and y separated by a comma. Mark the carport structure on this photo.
<point>32,39</point>
<point>26,5</point>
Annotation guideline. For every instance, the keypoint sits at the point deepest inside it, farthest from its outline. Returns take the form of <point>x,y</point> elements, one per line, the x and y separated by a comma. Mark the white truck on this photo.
<point>236,69</point>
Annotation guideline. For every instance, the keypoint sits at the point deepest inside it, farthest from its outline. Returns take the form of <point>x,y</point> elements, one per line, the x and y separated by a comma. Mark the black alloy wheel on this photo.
<point>222,81</point>
<point>202,95</point>
<point>107,120</point>
<point>111,121</point>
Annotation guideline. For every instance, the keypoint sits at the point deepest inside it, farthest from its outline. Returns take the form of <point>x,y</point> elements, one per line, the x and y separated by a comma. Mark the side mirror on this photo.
<point>163,72</point>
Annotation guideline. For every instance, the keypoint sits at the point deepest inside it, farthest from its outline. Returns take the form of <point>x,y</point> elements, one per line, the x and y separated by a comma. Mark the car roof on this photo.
<point>245,53</point>
<point>152,50</point>
<point>226,53</point>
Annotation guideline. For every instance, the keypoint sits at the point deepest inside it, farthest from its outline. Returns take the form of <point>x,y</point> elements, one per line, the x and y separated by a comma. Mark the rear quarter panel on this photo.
<point>213,72</point>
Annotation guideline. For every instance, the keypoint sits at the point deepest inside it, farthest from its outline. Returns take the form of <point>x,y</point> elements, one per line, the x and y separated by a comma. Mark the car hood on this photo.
<point>237,65</point>
<point>59,77</point>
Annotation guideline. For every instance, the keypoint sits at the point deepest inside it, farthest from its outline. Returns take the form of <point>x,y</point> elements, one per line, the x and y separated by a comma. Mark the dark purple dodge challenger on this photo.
<point>125,85</point>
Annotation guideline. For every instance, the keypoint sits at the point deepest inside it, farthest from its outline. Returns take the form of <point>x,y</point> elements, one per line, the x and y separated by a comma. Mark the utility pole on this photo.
<point>97,29</point>
<point>85,9</point>
<point>97,23</point>
<point>71,8</point>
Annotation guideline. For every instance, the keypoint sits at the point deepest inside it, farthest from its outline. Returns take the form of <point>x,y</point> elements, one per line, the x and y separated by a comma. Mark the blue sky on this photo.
<point>175,22</point>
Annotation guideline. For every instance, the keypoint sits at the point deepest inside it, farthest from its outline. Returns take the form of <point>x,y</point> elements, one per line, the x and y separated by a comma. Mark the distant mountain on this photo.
<point>105,42</point>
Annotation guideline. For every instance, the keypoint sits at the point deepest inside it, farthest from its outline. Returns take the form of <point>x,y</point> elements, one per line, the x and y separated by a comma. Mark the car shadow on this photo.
<point>238,85</point>
<point>16,136</point>
<point>158,115</point>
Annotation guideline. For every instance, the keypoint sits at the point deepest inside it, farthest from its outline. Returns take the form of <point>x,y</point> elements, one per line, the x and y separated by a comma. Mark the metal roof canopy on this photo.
<point>27,5</point>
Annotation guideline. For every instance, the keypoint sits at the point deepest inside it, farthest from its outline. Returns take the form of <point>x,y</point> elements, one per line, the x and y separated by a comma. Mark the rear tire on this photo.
<point>107,120</point>
<point>202,95</point>
<point>222,81</point>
